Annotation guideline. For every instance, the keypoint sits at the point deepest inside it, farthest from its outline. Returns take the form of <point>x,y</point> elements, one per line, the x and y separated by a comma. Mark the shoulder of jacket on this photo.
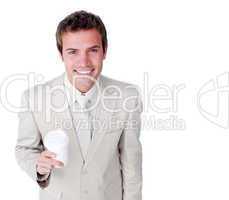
<point>125,87</point>
<point>41,86</point>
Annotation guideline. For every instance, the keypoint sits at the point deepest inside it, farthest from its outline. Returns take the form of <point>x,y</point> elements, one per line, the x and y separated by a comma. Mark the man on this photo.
<point>105,158</point>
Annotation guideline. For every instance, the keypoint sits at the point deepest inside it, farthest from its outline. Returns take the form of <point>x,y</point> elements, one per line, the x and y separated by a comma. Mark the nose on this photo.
<point>83,60</point>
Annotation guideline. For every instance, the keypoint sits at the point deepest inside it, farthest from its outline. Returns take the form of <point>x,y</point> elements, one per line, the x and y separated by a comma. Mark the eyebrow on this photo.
<point>92,47</point>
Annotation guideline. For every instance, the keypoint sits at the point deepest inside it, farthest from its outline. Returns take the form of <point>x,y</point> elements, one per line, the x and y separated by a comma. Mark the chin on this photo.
<point>84,84</point>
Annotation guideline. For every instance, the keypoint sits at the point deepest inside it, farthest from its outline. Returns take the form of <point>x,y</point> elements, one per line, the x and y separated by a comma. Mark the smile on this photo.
<point>83,72</point>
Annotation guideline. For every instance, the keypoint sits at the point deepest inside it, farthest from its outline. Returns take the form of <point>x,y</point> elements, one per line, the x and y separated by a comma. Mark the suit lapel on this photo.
<point>101,119</point>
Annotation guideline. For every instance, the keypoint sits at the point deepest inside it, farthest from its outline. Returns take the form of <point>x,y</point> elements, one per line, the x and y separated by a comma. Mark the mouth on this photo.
<point>83,71</point>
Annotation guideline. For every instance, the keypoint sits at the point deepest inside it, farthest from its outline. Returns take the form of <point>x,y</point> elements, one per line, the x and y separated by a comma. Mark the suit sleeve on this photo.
<point>131,154</point>
<point>29,144</point>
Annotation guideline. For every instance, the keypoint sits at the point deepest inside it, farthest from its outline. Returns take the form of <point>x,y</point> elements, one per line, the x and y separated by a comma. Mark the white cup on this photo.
<point>57,141</point>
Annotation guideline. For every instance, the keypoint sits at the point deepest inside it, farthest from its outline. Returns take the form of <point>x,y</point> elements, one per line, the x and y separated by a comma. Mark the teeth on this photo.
<point>83,72</point>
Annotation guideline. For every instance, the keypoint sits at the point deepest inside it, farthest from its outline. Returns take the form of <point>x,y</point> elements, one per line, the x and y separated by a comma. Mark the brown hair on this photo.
<point>80,20</point>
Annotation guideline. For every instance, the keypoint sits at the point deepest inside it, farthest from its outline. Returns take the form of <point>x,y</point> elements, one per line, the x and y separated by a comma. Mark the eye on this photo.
<point>94,50</point>
<point>72,52</point>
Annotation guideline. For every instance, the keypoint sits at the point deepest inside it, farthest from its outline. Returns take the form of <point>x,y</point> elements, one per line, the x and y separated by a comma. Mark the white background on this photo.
<point>175,42</point>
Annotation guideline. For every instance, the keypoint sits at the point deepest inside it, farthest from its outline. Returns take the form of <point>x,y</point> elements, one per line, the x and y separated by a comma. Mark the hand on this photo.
<point>46,162</point>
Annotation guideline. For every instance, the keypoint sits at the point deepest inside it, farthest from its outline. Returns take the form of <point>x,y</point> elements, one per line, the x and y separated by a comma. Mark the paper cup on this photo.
<point>57,141</point>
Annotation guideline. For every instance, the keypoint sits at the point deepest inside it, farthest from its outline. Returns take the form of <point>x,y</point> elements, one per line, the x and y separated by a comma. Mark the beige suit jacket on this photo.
<point>112,169</point>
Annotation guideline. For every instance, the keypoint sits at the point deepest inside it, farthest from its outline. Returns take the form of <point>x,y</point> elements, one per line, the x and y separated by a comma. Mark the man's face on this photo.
<point>83,56</point>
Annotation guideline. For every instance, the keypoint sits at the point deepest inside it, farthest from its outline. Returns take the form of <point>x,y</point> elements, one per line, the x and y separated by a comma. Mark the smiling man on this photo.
<point>104,157</point>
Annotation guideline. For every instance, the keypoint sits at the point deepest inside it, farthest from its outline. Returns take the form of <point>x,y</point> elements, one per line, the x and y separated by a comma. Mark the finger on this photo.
<point>45,165</point>
<point>45,159</point>
<point>48,162</point>
<point>40,168</point>
<point>43,171</point>
<point>48,154</point>
<point>57,163</point>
